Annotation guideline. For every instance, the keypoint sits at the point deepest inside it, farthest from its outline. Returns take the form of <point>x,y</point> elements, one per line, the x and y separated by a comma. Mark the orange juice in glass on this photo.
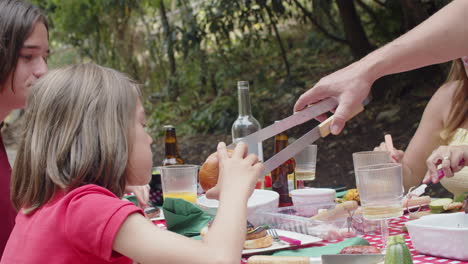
<point>180,181</point>
<point>187,196</point>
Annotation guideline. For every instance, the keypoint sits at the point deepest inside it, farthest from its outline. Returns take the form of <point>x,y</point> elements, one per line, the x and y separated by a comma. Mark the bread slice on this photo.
<point>262,242</point>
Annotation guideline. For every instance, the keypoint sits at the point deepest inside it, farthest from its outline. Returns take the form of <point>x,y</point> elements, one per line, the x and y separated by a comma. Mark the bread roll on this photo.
<point>209,171</point>
<point>262,242</point>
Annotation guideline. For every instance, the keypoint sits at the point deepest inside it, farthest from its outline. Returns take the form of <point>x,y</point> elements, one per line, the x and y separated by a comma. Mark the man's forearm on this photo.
<point>441,38</point>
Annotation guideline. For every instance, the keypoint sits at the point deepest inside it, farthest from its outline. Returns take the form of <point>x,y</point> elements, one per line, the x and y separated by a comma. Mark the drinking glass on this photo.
<point>305,166</point>
<point>380,189</point>
<point>180,181</point>
<point>365,158</point>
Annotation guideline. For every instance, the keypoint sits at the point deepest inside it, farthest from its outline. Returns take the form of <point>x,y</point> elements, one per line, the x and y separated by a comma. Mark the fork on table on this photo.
<point>282,239</point>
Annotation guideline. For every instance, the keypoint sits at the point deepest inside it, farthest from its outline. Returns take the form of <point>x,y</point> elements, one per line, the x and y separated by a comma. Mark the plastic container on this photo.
<point>313,195</point>
<point>297,218</point>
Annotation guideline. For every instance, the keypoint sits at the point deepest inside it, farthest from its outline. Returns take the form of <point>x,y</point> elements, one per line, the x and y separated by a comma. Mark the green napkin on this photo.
<point>325,250</point>
<point>184,217</point>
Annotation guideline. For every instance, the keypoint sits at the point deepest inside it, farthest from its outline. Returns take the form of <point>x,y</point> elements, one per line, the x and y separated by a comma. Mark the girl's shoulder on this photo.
<point>441,102</point>
<point>446,91</point>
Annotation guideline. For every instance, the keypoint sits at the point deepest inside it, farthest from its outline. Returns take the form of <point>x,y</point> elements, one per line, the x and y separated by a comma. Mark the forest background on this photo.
<point>189,55</point>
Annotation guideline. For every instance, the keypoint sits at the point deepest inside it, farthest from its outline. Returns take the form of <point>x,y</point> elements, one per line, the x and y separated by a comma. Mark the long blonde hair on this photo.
<point>76,132</point>
<point>459,109</point>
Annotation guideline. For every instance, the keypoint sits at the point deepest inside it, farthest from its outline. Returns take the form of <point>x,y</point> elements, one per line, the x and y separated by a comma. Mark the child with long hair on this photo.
<point>441,140</point>
<point>24,48</point>
<point>84,139</point>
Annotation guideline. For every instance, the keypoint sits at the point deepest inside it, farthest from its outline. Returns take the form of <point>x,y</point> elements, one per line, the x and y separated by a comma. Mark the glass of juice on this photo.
<point>180,181</point>
<point>380,189</point>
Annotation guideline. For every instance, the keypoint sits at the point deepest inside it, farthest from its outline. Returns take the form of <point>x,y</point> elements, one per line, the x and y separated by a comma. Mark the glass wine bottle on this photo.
<point>246,123</point>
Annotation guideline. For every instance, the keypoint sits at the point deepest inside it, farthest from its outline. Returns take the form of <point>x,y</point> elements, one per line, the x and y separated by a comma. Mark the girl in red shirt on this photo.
<point>84,139</point>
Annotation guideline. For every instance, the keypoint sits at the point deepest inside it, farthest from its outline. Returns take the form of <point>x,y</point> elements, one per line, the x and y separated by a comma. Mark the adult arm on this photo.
<point>442,37</point>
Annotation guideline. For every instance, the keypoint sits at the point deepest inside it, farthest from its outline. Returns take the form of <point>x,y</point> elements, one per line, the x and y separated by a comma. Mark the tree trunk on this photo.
<point>355,33</point>
<point>172,87</point>
<point>413,13</point>
<point>321,28</point>
<point>280,42</point>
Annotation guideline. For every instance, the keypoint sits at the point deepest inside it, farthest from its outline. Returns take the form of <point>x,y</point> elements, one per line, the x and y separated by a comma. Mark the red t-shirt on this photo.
<point>7,213</point>
<point>78,227</point>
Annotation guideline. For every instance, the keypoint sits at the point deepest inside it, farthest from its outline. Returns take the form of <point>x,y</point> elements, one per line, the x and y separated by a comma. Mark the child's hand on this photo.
<point>396,154</point>
<point>238,174</point>
<point>141,193</point>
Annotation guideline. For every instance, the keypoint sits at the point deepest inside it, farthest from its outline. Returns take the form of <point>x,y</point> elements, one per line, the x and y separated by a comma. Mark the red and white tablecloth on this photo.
<point>395,228</point>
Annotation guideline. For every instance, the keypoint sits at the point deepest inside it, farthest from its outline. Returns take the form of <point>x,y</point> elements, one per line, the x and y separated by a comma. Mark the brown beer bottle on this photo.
<point>172,156</point>
<point>283,177</point>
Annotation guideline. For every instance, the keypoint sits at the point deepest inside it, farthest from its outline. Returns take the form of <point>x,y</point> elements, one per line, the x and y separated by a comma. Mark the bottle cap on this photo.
<point>243,84</point>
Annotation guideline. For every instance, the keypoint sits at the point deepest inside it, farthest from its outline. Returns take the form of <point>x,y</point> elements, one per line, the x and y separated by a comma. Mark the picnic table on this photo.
<point>395,228</point>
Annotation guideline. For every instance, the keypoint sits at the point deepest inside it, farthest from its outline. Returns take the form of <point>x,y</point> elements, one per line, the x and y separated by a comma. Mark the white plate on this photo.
<point>160,217</point>
<point>305,240</point>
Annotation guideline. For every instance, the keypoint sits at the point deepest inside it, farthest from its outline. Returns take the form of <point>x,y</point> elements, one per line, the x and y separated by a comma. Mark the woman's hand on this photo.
<point>141,193</point>
<point>238,174</point>
<point>396,154</point>
<point>447,160</point>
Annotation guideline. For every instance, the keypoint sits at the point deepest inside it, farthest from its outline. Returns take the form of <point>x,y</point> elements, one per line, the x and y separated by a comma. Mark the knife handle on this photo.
<point>278,260</point>
<point>325,125</point>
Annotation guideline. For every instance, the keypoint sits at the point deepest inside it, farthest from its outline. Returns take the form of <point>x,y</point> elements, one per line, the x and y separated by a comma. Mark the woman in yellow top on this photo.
<point>441,140</point>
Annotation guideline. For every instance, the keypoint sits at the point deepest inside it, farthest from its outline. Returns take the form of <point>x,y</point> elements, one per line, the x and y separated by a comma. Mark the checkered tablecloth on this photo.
<point>395,228</point>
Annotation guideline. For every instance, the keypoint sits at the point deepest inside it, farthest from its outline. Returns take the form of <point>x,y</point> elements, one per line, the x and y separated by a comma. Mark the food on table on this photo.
<point>152,212</point>
<point>445,205</point>
<point>209,171</point>
<point>397,252</point>
<point>360,250</point>
<point>460,197</point>
<point>340,210</point>
<point>453,206</point>
<point>416,201</point>
<point>417,215</point>
<point>256,237</point>
<point>352,195</point>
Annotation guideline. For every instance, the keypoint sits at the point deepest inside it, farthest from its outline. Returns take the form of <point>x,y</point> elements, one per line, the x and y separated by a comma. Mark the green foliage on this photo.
<point>215,44</point>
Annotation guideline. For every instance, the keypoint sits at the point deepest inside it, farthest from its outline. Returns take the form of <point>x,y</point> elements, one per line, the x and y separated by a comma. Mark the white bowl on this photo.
<point>443,235</point>
<point>313,195</point>
<point>260,199</point>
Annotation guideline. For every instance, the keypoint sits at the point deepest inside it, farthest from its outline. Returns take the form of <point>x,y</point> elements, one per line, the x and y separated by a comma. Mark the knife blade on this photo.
<point>322,130</point>
<point>288,122</point>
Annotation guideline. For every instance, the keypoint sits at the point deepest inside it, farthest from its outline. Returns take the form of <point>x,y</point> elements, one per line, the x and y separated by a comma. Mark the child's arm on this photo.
<point>427,136</point>
<point>145,243</point>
